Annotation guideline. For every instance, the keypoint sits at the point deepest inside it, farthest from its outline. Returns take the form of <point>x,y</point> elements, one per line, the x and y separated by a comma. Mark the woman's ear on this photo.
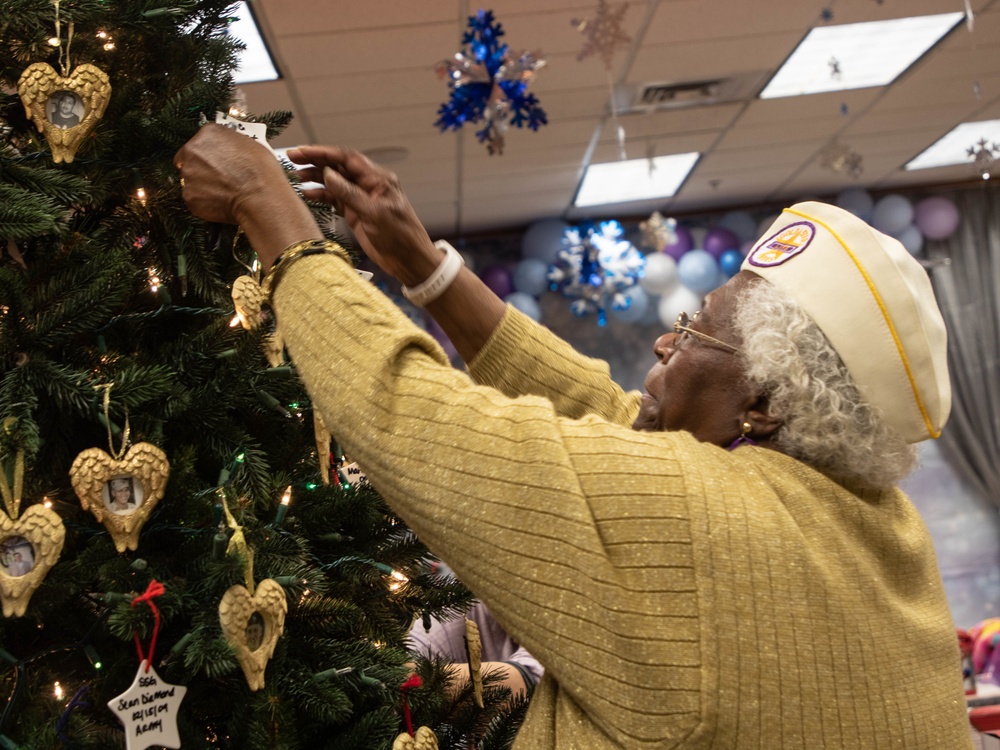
<point>764,424</point>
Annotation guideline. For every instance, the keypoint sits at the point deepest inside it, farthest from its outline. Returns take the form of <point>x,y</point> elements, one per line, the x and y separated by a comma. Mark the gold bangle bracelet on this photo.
<point>294,252</point>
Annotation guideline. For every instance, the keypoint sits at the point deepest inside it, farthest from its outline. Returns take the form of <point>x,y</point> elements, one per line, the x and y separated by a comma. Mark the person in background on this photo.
<point>723,561</point>
<point>445,639</point>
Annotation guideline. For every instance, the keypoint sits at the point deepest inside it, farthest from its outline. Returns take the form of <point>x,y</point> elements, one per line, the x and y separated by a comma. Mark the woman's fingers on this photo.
<point>344,192</point>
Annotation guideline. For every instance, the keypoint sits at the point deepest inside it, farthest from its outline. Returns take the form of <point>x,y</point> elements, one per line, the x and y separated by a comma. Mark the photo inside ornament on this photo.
<point>64,109</point>
<point>122,495</point>
<point>255,631</point>
<point>17,556</point>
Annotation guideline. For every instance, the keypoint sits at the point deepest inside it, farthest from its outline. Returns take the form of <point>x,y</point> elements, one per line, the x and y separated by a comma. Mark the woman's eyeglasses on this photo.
<point>682,330</point>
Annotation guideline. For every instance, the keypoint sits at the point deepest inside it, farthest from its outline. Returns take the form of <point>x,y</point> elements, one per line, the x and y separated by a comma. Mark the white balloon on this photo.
<point>681,299</point>
<point>661,273</point>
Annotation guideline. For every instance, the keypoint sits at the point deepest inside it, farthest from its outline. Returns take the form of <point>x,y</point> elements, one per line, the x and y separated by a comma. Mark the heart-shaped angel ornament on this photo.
<point>252,623</point>
<point>423,739</point>
<point>29,544</point>
<point>65,108</point>
<point>121,492</point>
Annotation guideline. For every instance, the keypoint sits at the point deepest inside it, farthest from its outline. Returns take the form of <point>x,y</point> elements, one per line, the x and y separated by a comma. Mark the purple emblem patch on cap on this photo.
<point>784,245</point>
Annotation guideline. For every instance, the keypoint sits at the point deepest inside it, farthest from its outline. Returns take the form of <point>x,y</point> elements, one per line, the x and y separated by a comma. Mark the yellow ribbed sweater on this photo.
<point>678,595</point>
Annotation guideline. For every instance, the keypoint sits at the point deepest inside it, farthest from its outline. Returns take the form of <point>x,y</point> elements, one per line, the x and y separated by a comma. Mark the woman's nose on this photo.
<point>663,346</point>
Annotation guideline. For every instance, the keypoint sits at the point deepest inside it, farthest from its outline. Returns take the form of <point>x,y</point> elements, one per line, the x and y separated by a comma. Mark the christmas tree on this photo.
<point>167,470</point>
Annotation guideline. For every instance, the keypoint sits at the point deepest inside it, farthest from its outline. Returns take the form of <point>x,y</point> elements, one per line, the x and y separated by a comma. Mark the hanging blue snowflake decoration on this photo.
<point>597,268</point>
<point>489,85</point>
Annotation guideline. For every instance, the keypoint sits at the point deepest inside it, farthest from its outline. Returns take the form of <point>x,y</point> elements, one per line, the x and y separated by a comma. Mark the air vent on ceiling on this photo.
<point>651,97</point>
<point>665,94</point>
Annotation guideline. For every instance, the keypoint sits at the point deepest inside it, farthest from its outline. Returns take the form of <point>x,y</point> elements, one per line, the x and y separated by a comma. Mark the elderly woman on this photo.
<point>722,562</point>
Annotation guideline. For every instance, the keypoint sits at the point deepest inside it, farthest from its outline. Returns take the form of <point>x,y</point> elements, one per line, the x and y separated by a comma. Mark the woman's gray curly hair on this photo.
<point>826,423</point>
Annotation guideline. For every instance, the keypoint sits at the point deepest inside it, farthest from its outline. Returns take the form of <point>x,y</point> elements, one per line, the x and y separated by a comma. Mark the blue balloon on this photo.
<point>893,213</point>
<point>637,308</point>
<point>912,240</point>
<point>698,271</point>
<point>730,262</point>
<point>531,276</point>
<point>525,303</point>
<point>858,202</point>
<point>543,240</point>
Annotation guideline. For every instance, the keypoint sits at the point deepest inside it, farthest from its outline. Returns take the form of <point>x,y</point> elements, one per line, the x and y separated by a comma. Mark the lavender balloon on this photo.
<point>936,217</point>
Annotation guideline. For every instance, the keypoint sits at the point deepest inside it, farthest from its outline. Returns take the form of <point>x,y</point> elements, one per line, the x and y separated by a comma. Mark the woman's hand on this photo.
<point>379,213</point>
<point>228,178</point>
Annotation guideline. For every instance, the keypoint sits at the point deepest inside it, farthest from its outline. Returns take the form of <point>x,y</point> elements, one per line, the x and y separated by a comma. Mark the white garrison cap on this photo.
<point>875,304</point>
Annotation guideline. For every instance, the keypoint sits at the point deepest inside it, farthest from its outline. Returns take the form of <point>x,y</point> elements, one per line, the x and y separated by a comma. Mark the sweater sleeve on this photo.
<point>575,384</point>
<point>522,503</point>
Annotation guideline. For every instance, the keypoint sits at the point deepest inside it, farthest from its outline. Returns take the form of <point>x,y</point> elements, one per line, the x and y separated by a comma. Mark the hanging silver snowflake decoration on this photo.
<point>658,232</point>
<point>603,34</point>
<point>596,269</point>
<point>841,158</point>
<point>982,155</point>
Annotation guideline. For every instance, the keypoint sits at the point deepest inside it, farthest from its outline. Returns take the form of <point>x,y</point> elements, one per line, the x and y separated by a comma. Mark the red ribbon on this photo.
<point>154,589</point>
<point>413,682</point>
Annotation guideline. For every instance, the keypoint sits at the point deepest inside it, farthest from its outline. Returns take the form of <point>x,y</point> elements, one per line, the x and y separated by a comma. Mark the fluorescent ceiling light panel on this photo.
<point>255,61</point>
<point>953,148</point>
<point>866,54</point>
<point>634,180</point>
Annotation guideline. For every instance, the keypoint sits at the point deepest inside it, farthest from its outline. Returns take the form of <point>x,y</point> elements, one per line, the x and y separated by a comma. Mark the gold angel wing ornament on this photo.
<point>121,493</point>
<point>423,739</point>
<point>29,547</point>
<point>474,650</point>
<point>252,624</point>
<point>64,109</point>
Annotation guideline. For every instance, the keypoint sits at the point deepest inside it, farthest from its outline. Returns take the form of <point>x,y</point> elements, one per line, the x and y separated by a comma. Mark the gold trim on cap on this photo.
<point>885,314</point>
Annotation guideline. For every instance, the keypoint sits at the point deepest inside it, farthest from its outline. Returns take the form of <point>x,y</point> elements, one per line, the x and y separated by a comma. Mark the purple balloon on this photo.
<point>720,239</point>
<point>499,280</point>
<point>684,243</point>
<point>441,337</point>
<point>936,217</point>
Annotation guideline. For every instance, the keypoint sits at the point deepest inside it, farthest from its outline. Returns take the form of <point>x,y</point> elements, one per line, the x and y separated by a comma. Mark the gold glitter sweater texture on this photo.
<point>679,595</point>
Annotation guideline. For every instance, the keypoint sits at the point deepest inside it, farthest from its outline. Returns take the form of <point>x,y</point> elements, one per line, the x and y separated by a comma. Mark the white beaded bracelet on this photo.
<point>441,279</point>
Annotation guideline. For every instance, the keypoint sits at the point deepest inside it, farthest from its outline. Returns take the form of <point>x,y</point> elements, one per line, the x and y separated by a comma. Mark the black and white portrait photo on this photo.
<point>65,109</point>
